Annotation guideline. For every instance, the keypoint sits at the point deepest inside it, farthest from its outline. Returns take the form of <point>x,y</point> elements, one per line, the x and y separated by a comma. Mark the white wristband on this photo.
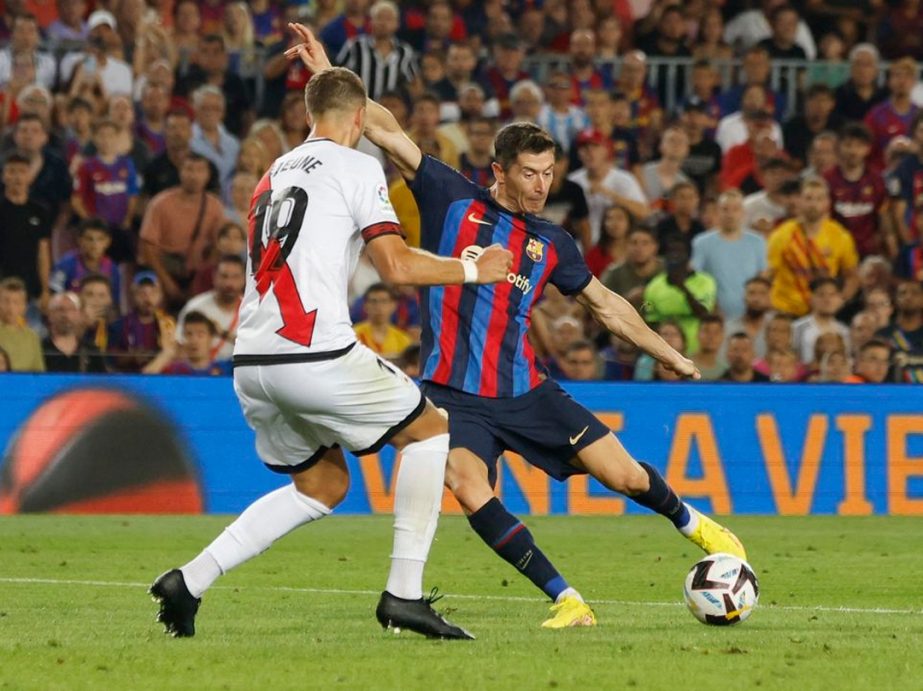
<point>471,270</point>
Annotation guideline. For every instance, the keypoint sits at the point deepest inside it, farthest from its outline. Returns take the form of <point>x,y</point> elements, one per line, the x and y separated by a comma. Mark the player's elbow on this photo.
<point>396,271</point>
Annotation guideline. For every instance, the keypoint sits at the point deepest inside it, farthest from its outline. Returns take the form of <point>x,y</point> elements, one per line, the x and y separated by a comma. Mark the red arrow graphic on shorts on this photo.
<point>274,272</point>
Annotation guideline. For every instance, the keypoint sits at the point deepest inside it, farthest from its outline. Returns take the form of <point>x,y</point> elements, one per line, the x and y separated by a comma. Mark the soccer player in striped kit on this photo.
<point>479,365</point>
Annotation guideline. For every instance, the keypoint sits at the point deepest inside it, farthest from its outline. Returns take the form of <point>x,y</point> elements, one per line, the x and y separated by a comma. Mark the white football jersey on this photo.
<point>309,217</point>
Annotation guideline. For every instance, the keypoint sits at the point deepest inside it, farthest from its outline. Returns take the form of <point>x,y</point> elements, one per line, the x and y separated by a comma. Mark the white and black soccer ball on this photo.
<point>721,590</point>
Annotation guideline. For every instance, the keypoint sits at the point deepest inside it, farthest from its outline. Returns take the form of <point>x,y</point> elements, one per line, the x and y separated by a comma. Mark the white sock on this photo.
<point>417,502</point>
<point>693,523</point>
<point>568,592</point>
<point>262,523</point>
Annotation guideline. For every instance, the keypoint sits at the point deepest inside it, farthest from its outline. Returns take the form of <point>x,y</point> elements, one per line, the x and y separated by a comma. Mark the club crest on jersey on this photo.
<point>535,250</point>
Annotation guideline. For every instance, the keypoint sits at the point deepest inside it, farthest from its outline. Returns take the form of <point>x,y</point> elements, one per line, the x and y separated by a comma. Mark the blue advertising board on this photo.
<point>744,449</point>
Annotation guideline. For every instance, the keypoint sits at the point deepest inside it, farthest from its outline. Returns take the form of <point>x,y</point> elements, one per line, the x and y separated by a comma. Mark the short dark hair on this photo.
<point>13,284</point>
<point>856,130</point>
<point>682,185</point>
<point>580,344</point>
<point>90,279</point>
<point>739,335</point>
<point>647,230</point>
<point>196,317</point>
<point>427,97</point>
<point>818,283</point>
<point>874,343</point>
<point>216,39</point>
<point>713,318</point>
<point>818,89</point>
<point>17,158</point>
<point>774,15</point>
<point>31,117</point>
<point>231,259</point>
<point>195,157</point>
<point>378,288</point>
<point>77,103</point>
<point>520,137</point>
<point>762,280</point>
<point>335,88</point>
<point>93,223</point>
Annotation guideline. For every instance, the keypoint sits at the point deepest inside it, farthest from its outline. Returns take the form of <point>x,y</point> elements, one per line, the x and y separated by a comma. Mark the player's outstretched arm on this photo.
<point>381,127</point>
<point>399,264</point>
<point>619,317</point>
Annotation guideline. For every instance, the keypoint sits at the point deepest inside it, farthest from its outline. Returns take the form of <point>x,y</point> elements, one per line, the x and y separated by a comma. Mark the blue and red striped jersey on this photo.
<point>475,336</point>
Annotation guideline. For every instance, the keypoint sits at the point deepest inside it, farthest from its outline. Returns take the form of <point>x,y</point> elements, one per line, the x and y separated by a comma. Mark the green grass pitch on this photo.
<point>841,608</point>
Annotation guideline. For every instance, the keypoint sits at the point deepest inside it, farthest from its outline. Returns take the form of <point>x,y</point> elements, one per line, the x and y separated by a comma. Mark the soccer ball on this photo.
<point>721,590</point>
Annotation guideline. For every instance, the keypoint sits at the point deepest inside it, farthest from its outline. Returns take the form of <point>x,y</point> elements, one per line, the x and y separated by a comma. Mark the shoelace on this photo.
<point>434,596</point>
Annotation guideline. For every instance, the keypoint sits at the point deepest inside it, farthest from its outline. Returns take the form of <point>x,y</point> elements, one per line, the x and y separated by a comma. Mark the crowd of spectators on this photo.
<point>749,175</point>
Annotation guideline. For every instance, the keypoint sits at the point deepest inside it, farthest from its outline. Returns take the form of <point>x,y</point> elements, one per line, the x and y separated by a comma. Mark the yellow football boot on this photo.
<point>714,537</point>
<point>570,612</point>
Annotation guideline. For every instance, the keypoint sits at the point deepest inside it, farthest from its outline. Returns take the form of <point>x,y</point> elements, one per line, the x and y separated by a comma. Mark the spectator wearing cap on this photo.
<point>861,92</point>
<point>136,338</point>
<point>210,138</point>
<point>25,231</point>
<point>894,116</point>
<point>70,24</point>
<point>809,247</point>
<point>353,22</point>
<point>731,253</point>
<point>752,26</point>
<point>96,64</point>
<point>756,70</point>
<point>559,116</point>
<point>24,42</point>
<point>63,349</point>
<point>819,116</point>
<point>764,209</point>
<point>737,128</point>
<point>93,241</point>
<point>583,71</point>
<point>179,230</point>
<point>210,67</point>
<point>382,61</point>
<point>903,188</point>
<point>603,184</point>
<point>504,70</point>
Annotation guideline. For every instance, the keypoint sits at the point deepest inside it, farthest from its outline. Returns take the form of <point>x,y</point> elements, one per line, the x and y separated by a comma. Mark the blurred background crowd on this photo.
<point>748,174</point>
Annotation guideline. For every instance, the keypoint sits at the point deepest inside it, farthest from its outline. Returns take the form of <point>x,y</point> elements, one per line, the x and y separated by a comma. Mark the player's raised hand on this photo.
<point>684,367</point>
<point>310,50</point>
<point>494,264</point>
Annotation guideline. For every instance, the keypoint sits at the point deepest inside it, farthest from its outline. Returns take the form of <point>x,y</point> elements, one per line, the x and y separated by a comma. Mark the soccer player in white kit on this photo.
<point>306,387</point>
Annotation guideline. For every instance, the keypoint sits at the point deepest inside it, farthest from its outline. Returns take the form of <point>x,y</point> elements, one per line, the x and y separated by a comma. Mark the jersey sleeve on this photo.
<point>435,186</point>
<point>571,274</point>
<point>370,205</point>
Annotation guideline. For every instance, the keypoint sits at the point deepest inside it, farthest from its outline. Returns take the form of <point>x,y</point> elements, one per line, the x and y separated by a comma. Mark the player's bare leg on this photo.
<point>424,446</point>
<point>610,463</point>
<point>467,478</point>
<point>313,494</point>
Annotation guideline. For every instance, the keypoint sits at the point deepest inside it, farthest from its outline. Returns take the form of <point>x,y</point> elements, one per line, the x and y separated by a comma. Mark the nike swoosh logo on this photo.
<point>480,221</point>
<point>574,440</point>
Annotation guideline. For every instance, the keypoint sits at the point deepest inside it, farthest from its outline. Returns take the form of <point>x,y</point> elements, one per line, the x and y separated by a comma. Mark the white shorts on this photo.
<point>301,410</point>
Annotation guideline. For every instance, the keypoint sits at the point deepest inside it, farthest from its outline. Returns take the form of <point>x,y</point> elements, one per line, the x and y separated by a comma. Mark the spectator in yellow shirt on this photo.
<point>808,247</point>
<point>377,332</point>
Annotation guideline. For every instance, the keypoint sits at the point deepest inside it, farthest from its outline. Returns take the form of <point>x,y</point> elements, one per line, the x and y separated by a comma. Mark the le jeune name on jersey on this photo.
<point>306,163</point>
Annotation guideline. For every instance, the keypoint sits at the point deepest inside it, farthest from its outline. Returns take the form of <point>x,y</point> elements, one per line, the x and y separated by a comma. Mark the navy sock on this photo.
<point>660,498</point>
<point>509,538</point>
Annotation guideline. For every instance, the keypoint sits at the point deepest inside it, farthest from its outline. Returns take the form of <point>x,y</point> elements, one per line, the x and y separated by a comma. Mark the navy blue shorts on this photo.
<point>545,426</point>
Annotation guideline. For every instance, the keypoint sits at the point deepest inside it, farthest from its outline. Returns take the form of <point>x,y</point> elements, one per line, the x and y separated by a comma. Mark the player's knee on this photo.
<point>328,487</point>
<point>468,486</point>
<point>630,479</point>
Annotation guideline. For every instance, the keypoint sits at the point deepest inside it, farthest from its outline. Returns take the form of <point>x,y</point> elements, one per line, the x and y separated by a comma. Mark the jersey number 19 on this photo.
<point>275,231</point>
